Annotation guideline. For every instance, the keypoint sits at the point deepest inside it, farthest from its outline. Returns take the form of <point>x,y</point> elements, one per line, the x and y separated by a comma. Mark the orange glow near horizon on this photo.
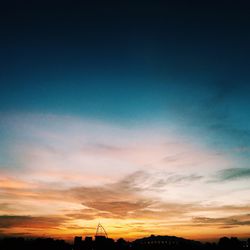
<point>135,182</point>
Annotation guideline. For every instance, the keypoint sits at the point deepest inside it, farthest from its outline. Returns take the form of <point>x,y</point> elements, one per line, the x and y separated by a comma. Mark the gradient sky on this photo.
<point>134,115</point>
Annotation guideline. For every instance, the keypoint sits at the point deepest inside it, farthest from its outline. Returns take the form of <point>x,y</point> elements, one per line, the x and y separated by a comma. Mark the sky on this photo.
<point>132,114</point>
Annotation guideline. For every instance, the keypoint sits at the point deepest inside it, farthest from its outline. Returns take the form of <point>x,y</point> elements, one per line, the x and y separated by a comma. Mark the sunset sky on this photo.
<point>133,115</point>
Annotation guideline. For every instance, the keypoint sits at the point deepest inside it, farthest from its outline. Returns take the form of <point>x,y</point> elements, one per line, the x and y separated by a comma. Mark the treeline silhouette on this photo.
<point>101,242</point>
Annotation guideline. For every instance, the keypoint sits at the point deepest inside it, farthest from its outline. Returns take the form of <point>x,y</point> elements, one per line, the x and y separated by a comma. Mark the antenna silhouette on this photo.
<point>100,231</point>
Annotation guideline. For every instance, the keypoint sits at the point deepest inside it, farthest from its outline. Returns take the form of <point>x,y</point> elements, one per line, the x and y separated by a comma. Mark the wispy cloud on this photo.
<point>77,171</point>
<point>15,221</point>
<point>234,174</point>
<point>130,193</point>
<point>237,220</point>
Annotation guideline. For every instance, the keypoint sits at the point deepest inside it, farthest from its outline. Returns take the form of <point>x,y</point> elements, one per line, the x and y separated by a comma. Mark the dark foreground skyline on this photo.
<point>101,242</point>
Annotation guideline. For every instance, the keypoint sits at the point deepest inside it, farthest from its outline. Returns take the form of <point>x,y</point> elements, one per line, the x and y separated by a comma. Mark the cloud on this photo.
<point>229,208</point>
<point>155,180</point>
<point>217,115</point>
<point>234,174</point>
<point>127,197</point>
<point>241,149</point>
<point>121,198</point>
<point>44,146</point>
<point>118,198</point>
<point>83,214</point>
<point>175,179</point>
<point>164,211</point>
<point>90,214</point>
<point>13,221</point>
<point>237,220</point>
<point>84,171</point>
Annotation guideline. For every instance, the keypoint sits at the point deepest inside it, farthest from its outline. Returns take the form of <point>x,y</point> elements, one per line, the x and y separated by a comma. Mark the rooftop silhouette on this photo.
<point>102,242</point>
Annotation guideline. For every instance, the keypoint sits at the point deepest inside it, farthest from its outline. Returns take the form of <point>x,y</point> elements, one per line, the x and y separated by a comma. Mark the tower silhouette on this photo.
<point>100,231</point>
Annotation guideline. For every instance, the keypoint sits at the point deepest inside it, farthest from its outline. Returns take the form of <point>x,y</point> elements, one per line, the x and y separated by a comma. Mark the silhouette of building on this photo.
<point>165,242</point>
<point>104,243</point>
<point>78,243</point>
<point>101,241</point>
<point>88,243</point>
<point>31,244</point>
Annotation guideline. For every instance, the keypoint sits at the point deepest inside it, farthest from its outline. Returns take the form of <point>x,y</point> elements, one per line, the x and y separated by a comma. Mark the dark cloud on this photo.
<point>80,227</point>
<point>227,116</point>
<point>230,208</point>
<point>5,206</point>
<point>172,158</point>
<point>142,180</point>
<point>11,221</point>
<point>19,234</point>
<point>240,136</point>
<point>106,147</point>
<point>233,174</point>
<point>120,207</point>
<point>175,179</point>
<point>82,215</point>
<point>161,210</point>
<point>238,220</point>
<point>118,199</point>
<point>90,214</point>
<point>218,112</point>
<point>125,197</point>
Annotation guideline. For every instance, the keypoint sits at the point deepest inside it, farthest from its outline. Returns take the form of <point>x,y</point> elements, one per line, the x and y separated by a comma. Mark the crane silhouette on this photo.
<point>100,231</point>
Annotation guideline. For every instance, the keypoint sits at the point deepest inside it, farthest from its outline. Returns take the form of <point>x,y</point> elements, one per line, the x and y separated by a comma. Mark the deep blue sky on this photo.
<point>180,60</point>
